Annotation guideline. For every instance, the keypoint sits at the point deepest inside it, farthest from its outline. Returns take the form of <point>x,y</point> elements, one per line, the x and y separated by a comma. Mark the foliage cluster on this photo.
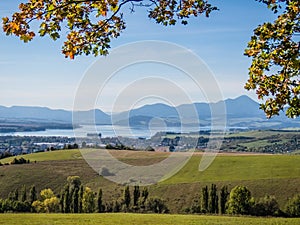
<point>19,161</point>
<point>274,49</point>
<point>91,24</point>
<point>240,202</point>
<point>75,198</point>
<point>118,147</point>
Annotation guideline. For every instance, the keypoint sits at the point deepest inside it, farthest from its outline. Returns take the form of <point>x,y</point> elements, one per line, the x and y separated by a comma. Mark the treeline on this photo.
<point>16,161</point>
<point>239,201</point>
<point>75,198</point>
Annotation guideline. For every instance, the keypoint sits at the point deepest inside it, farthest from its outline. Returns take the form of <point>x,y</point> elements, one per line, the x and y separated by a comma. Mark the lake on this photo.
<point>114,130</point>
<point>105,130</point>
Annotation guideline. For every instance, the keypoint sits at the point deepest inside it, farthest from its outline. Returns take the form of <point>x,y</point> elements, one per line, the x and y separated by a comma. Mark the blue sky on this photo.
<point>37,74</point>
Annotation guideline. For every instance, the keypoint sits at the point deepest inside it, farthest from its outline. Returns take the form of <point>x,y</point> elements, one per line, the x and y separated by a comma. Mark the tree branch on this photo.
<point>76,2</point>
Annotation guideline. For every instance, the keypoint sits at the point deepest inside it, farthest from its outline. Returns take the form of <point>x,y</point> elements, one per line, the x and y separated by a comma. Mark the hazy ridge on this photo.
<point>240,112</point>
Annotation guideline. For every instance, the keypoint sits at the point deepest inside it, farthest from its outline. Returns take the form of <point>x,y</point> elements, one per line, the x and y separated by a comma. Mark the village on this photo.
<point>19,145</point>
<point>269,141</point>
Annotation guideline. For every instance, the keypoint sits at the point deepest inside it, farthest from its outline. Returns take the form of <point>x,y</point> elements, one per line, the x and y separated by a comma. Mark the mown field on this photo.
<point>137,219</point>
<point>277,175</point>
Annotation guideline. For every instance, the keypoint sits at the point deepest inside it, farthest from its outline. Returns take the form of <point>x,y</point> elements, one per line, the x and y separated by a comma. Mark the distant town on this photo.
<point>268,141</point>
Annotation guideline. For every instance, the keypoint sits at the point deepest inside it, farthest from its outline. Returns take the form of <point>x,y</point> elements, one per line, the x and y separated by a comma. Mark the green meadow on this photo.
<point>277,175</point>
<point>137,219</point>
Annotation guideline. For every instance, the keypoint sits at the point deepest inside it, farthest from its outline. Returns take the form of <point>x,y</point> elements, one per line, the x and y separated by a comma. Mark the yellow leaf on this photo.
<point>114,8</point>
<point>5,20</point>
<point>14,26</point>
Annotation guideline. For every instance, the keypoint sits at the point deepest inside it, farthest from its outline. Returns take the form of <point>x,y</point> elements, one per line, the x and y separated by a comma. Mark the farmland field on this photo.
<point>237,167</point>
<point>137,219</point>
<point>277,175</point>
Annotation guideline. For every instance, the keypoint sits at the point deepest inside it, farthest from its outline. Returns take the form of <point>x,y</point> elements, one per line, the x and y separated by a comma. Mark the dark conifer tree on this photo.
<point>32,194</point>
<point>99,201</point>
<point>223,199</point>
<point>213,199</point>
<point>136,195</point>
<point>67,199</point>
<point>204,200</point>
<point>75,200</point>
<point>127,198</point>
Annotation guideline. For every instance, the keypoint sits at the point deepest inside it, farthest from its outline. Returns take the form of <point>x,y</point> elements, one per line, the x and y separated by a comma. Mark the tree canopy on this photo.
<point>92,24</point>
<point>240,201</point>
<point>274,49</point>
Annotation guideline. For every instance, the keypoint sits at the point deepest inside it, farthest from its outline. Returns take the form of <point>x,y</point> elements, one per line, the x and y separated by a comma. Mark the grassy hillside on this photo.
<point>277,175</point>
<point>49,156</point>
<point>237,168</point>
<point>136,219</point>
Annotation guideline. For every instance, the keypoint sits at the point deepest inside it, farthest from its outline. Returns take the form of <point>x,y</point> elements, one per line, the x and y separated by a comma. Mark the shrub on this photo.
<point>267,206</point>
<point>240,201</point>
<point>19,161</point>
<point>156,205</point>
<point>292,208</point>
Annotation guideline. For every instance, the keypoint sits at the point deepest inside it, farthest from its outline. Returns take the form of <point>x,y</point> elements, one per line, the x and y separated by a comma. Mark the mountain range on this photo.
<point>240,112</point>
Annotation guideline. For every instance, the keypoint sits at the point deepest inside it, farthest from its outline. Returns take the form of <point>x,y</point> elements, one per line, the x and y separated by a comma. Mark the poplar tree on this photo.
<point>88,201</point>
<point>23,194</point>
<point>127,198</point>
<point>80,196</point>
<point>223,199</point>
<point>136,195</point>
<point>67,199</point>
<point>99,201</point>
<point>213,199</point>
<point>204,199</point>
<point>32,194</point>
<point>75,200</point>
<point>144,198</point>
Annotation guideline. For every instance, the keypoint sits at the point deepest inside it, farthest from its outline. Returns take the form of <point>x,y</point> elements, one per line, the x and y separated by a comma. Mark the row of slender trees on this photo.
<point>75,198</point>
<point>240,202</point>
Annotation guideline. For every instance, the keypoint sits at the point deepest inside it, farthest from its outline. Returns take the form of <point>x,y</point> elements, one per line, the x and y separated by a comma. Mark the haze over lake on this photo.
<point>105,130</point>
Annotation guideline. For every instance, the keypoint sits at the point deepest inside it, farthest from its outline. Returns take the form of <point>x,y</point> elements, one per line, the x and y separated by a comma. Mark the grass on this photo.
<point>233,168</point>
<point>224,167</point>
<point>136,219</point>
<point>253,144</point>
<point>48,156</point>
<point>277,175</point>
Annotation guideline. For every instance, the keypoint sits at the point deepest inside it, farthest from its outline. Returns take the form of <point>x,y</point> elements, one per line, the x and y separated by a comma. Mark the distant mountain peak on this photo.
<point>241,111</point>
<point>244,98</point>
